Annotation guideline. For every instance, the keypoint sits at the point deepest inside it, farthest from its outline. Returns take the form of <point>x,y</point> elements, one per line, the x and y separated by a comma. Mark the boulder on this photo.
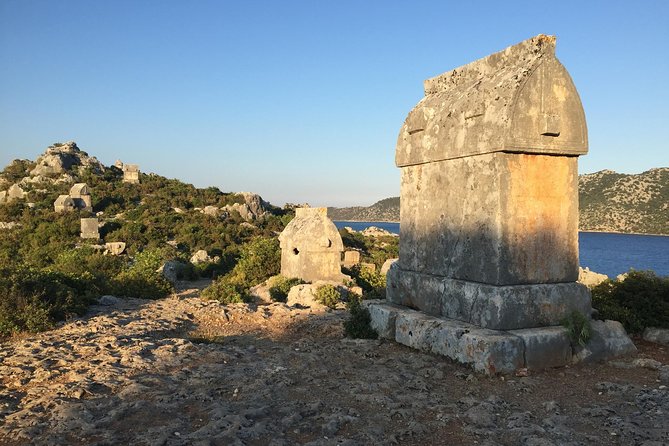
<point>590,278</point>
<point>15,192</point>
<point>386,266</point>
<point>114,248</point>
<point>374,231</point>
<point>172,270</point>
<point>62,157</point>
<point>108,300</point>
<point>200,256</point>
<point>608,340</point>
<point>657,335</point>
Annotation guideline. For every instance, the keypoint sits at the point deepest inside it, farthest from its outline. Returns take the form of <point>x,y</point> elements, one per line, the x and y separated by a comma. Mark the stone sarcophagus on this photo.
<point>489,192</point>
<point>311,247</point>
<point>489,218</point>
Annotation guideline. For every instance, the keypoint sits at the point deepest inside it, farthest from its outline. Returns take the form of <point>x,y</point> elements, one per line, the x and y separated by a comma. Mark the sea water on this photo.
<point>603,252</point>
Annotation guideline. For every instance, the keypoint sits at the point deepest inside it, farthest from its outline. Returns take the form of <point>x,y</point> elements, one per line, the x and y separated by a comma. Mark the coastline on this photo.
<point>580,230</point>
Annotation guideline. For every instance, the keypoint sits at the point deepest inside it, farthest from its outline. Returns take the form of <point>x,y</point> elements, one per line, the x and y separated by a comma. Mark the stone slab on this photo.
<point>545,347</point>
<point>506,307</point>
<point>494,351</point>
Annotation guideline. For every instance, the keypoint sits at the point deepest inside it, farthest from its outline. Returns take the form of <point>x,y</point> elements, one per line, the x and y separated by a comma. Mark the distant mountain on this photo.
<point>609,201</point>
<point>385,210</point>
<point>616,202</point>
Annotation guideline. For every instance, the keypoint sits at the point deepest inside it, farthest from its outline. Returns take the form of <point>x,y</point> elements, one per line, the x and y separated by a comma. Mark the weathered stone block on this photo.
<point>608,340</point>
<point>383,317</point>
<point>492,218</point>
<point>491,351</point>
<point>489,306</point>
<point>545,347</point>
<point>89,228</point>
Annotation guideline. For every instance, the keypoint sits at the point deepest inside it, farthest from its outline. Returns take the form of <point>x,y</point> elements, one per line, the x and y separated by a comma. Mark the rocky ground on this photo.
<point>182,371</point>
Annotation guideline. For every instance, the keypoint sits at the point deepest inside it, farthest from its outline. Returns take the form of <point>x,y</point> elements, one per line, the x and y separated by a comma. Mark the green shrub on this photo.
<point>327,295</point>
<point>281,287</point>
<point>142,285</point>
<point>639,301</point>
<point>578,328</point>
<point>372,283</point>
<point>358,325</point>
<point>225,290</point>
<point>260,259</point>
<point>33,299</point>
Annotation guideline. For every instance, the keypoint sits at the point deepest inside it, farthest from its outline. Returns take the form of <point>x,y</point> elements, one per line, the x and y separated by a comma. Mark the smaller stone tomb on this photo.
<point>81,195</point>
<point>131,173</point>
<point>79,198</point>
<point>351,258</point>
<point>311,247</point>
<point>64,203</point>
<point>89,228</point>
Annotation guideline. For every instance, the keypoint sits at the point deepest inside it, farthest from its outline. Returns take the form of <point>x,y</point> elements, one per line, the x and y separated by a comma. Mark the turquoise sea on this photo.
<point>603,252</point>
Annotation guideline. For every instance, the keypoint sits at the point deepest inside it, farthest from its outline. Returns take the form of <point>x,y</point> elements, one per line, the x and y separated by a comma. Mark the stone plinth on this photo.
<point>495,351</point>
<point>311,247</point>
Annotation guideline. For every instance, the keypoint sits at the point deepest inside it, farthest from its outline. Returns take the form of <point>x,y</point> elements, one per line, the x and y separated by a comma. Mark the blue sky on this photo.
<point>302,101</point>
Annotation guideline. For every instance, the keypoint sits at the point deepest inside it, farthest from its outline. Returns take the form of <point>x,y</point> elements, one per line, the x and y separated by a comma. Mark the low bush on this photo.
<point>281,287</point>
<point>225,291</point>
<point>358,325</point>
<point>259,260</point>
<point>372,283</point>
<point>33,300</point>
<point>327,295</point>
<point>578,328</point>
<point>639,301</point>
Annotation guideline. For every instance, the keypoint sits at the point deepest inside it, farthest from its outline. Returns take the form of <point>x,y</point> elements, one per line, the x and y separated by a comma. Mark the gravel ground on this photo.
<point>182,371</point>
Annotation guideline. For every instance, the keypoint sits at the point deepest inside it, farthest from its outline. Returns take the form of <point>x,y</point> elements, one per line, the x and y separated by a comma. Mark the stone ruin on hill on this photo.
<point>79,198</point>
<point>90,228</point>
<point>311,247</point>
<point>489,212</point>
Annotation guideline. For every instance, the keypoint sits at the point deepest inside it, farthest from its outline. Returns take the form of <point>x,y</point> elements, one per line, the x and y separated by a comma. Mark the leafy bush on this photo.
<point>281,287</point>
<point>639,301</point>
<point>225,291</point>
<point>327,295</point>
<point>358,325</point>
<point>372,283</point>
<point>260,259</point>
<point>33,299</point>
<point>578,328</point>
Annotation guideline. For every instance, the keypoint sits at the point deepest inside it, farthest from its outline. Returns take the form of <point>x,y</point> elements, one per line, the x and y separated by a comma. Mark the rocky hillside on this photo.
<point>385,210</point>
<point>609,201</point>
<point>616,202</point>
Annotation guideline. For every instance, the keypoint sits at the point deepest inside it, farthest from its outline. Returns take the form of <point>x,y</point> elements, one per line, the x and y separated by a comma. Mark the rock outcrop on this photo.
<point>62,157</point>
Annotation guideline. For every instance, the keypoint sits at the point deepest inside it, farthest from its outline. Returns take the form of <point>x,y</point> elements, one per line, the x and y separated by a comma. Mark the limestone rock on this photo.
<point>253,208</point>
<point>15,192</point>
<point>211,210</point>
<point>60,158</point>
<point>590,278</point>
<point>108,300</point>
<point>201,256</point>
<point>386,266</point>
<point>172,270</point>
<point>114,248</point>
<point>351,258</point>
<point>608,340</point>
<point>657,335</point>
<point>374,231</point>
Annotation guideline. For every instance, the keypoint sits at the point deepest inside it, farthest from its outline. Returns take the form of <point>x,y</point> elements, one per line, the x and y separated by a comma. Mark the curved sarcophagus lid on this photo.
<point>518,100</point>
